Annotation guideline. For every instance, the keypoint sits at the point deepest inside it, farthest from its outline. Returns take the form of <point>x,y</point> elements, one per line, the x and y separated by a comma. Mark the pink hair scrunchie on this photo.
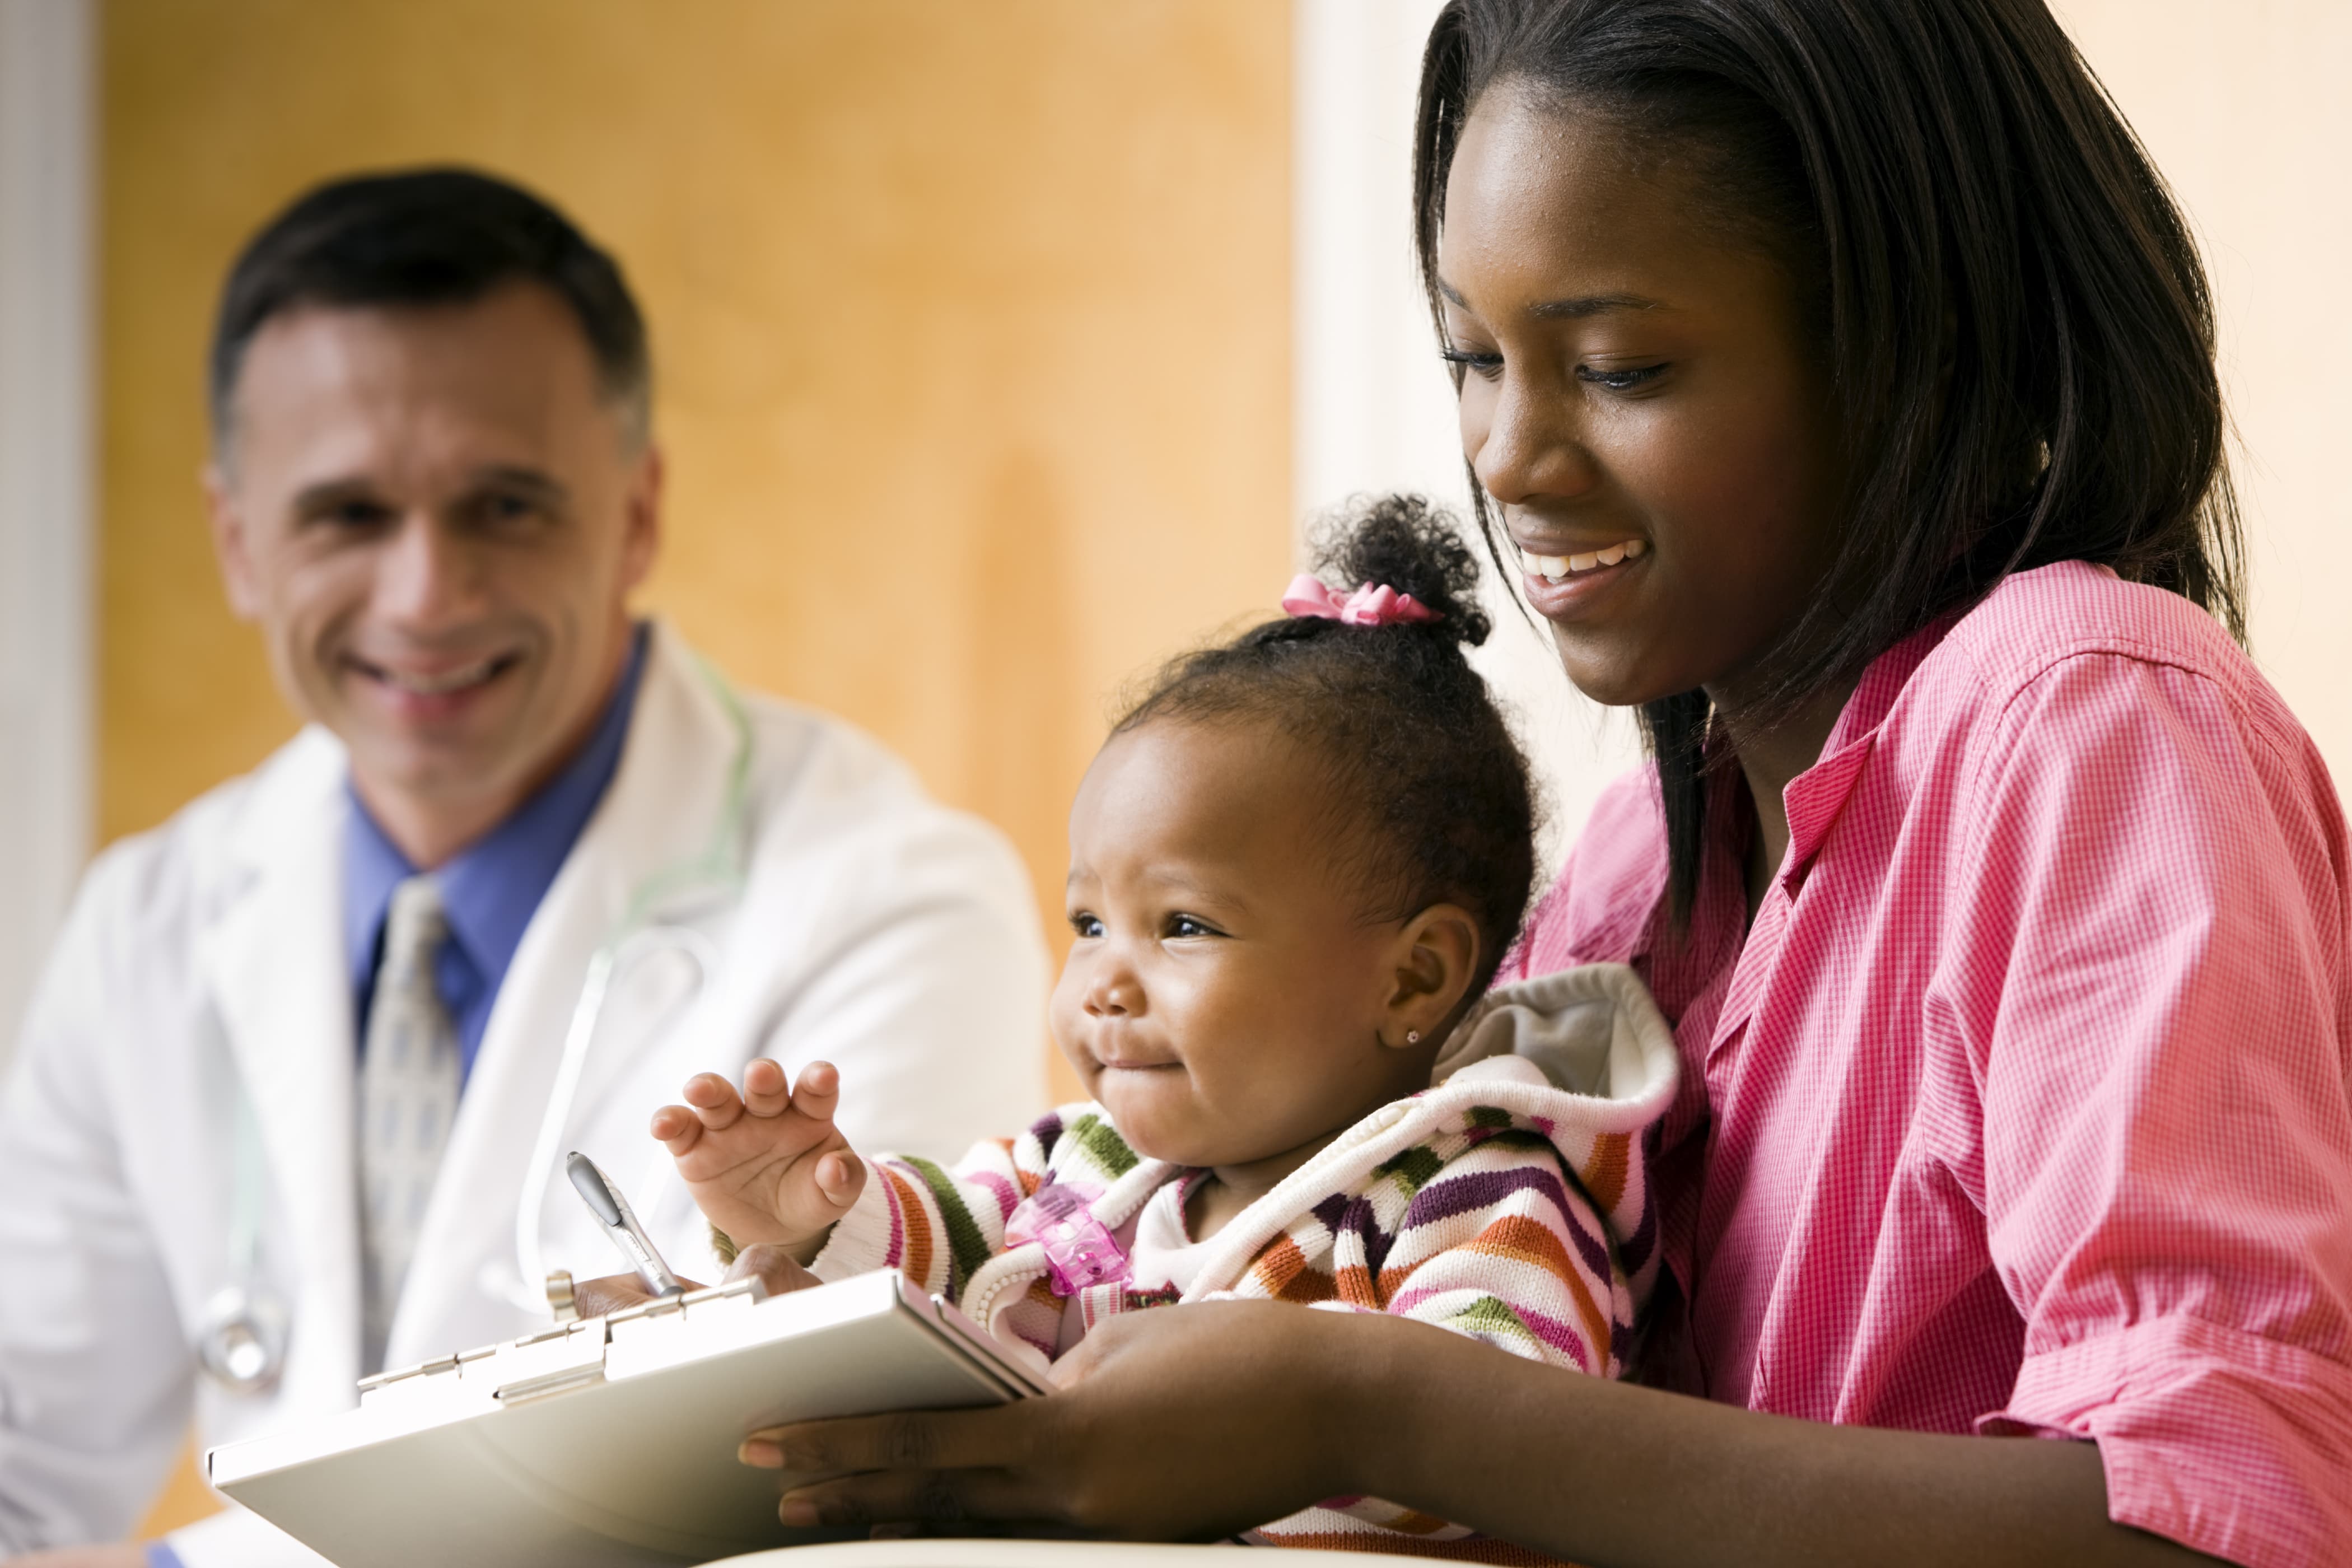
<point>1373,605</point>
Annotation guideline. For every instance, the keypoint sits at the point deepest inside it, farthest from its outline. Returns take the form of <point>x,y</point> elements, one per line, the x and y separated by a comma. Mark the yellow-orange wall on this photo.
<point>972,326</point>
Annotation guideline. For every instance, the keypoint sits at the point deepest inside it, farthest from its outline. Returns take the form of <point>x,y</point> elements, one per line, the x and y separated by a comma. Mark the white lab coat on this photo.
<point>877,929</point>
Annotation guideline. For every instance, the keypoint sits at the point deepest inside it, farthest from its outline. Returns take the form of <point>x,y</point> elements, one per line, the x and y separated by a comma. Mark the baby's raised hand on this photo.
<point>766,1166</point>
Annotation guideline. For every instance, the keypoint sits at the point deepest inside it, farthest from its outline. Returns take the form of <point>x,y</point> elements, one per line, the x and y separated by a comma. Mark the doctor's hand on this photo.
<point>766,1166</point>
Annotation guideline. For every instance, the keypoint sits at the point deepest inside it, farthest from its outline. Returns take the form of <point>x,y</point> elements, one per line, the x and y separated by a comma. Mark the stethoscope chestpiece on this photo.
<point>244,1347</point>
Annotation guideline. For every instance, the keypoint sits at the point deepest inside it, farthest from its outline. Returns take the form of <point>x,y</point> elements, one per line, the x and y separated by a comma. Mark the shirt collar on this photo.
<point>1816,796</point>
<point>1719,924</point>
<point>490,891</point>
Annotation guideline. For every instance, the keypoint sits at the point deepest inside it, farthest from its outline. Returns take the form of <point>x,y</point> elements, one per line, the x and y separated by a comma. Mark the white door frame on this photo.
<point>47,389</point>
<point>1372,408</point>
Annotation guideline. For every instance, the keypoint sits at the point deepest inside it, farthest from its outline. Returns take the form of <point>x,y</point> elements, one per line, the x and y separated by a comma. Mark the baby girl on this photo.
<point>1295,866</point>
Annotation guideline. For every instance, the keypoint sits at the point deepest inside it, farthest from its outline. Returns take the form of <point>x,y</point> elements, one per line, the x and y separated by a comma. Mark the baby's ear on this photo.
<point>1436,955</point>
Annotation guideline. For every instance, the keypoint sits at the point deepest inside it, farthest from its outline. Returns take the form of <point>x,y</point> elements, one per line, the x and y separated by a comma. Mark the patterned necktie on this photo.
<point>408,1097</point>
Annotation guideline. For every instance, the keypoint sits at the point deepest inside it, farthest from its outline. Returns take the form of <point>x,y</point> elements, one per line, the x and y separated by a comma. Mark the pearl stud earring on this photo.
<point>1412,1036</point>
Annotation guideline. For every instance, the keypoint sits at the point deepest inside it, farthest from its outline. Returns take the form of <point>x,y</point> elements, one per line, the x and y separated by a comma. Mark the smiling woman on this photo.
<point>1847,413</point>
<point>1979,870</point>
<point>1625,389</point>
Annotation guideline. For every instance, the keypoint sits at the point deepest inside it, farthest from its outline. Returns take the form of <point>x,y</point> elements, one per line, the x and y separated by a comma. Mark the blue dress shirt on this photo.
<point>490,891</point>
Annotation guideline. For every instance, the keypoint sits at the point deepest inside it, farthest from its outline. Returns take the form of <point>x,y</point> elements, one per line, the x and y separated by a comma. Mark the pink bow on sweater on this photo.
<point>1373,605</point>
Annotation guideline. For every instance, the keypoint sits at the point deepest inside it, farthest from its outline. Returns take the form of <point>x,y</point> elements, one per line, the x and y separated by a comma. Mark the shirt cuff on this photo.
<point>2222,1440</point>
<point>861,1239</point>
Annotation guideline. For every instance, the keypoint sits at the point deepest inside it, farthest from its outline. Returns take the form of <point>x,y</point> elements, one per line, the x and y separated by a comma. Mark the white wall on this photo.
<point>44,478</point>
<point>1374,406</point>
<point>2242,105</point>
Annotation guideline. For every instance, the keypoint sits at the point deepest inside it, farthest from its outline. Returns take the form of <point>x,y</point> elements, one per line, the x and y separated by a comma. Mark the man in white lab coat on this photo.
<point>305,1054</point>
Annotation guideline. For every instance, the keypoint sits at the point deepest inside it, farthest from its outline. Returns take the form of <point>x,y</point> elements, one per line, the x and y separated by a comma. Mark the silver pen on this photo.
<point>620,1222</point>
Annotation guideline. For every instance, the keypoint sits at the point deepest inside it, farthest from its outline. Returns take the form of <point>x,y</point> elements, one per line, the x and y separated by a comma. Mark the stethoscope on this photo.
<point>242,1345</point>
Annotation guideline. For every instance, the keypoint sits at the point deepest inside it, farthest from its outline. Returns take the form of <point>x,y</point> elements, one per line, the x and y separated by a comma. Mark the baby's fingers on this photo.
<point>818,1094</point>
<point>765,1092</point>
<point>840,1176</point>
<point>714,1100</point>
<point>677,1129</point>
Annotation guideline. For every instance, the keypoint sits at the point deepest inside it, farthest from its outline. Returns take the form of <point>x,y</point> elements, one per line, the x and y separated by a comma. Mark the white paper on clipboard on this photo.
<point>610,1443</point>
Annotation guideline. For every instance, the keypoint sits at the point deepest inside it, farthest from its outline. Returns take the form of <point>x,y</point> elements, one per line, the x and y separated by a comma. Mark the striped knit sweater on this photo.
<point>1507,1203</point>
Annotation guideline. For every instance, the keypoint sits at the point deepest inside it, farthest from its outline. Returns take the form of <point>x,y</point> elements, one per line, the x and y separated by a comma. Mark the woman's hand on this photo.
<point>1196,1422</point>
<point>617,1292</point>
<point>1184,1424</point>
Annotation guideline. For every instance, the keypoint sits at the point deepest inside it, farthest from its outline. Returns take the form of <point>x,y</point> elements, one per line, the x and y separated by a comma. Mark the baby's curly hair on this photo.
<point>1432,801</point>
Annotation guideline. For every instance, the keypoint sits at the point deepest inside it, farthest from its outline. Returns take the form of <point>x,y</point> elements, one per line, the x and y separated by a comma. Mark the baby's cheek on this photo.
<point>1064,1022</point>
<point>1089,1075</point>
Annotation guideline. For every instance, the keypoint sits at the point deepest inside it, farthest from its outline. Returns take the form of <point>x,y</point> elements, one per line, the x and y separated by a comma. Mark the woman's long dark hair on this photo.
<point>2018,327</point>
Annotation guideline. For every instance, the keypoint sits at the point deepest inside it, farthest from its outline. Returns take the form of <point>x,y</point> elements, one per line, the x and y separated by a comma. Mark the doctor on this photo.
<point>303,1053</point>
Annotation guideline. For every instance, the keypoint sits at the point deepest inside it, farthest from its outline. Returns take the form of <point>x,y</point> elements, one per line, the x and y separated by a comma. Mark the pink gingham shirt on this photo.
<point>2025,1106</point>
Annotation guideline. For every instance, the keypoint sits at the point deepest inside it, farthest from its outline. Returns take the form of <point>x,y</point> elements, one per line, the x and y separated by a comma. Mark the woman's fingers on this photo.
<point>902,1441</point>
<point>914,1497</point>
<point>1183,1426</point>
<point>596,1297</point>
<point>776,1269</point>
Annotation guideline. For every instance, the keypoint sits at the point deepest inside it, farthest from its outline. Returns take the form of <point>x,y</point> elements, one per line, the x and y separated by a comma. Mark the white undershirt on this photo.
<point>1163,1251</point>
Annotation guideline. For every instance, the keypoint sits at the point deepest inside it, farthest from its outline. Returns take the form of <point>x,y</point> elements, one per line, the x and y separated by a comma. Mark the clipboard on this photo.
<point>610,1443</point>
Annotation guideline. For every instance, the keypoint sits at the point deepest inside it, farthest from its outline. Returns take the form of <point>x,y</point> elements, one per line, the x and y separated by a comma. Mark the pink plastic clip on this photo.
<point>1079,1251</point>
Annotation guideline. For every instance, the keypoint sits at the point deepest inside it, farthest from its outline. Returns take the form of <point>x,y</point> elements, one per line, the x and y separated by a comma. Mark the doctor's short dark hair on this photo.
<point>428,236</point>
<point>1431,800</point>
<point>2018,328</point>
